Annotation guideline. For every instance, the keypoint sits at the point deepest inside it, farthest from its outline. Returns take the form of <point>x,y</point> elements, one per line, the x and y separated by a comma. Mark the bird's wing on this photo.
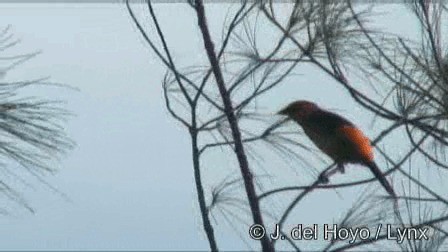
<point>328,121</point>
<point>347,141</point>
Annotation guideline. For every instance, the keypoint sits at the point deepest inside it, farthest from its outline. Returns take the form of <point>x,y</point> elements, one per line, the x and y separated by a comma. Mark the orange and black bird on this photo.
<point>335,136</point>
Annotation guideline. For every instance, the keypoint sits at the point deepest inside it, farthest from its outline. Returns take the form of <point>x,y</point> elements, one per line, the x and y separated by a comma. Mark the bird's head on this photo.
<point>299,109</point>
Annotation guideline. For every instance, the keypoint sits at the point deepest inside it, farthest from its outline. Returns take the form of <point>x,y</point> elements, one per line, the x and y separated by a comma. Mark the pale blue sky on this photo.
<point>130,177</point>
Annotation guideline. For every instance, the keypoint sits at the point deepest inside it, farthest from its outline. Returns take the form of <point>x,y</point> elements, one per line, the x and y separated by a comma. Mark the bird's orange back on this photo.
<point>360,142</point>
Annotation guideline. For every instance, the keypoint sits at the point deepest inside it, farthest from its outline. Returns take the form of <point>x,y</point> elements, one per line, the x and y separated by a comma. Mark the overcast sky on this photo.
<point>130,179</point>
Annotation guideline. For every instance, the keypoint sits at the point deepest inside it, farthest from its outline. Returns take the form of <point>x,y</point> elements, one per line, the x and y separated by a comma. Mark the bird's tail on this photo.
<point>379,175</point>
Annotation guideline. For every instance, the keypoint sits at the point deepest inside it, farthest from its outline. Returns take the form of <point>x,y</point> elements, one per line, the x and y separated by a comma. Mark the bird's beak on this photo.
<point>282,112</point>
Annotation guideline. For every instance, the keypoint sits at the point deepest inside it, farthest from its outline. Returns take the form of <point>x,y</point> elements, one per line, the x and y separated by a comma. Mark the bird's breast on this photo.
<point>324,140</point>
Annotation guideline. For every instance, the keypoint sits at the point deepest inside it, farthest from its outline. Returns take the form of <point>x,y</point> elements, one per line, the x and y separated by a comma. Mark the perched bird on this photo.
<point>335,136</point>
<point>7,106</point>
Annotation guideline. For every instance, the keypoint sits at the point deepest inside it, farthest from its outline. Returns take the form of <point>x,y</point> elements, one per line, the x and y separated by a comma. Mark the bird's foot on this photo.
<point>323,178</point>
<point>341,168</point>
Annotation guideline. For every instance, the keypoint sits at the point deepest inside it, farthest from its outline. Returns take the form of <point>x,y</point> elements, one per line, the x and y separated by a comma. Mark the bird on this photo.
<point>335,136</point>
<point>7,106</point>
